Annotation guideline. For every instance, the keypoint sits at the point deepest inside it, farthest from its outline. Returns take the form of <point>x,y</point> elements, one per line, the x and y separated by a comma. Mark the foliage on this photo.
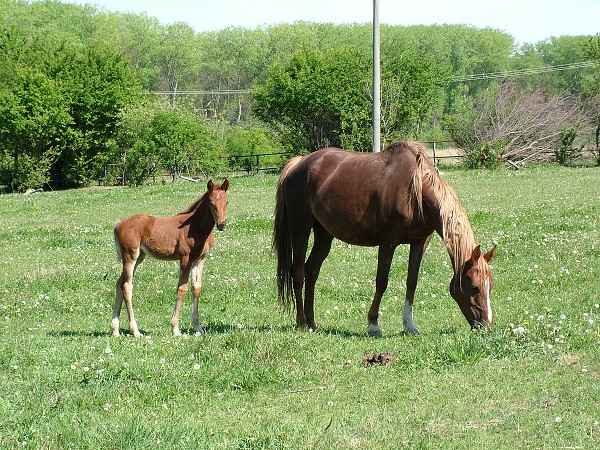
<point>487,155</point>
<point>242,144</point>
<point>321,99</point>
<point>317,99</point>
<point>515,124</point>
<point>567,152</point>
<point>67,73</point>
<point>66,383</point>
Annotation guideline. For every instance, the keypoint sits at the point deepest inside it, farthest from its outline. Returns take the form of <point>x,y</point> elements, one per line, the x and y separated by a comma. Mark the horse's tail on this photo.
<point>282,241</point>
<point>117,245</point>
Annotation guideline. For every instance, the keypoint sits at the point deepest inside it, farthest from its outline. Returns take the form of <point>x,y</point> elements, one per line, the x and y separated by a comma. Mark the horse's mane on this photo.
<point>456,228</point>
<point>194,205</point>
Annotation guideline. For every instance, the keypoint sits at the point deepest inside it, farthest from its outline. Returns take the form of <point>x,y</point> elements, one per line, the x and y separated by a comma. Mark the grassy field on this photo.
<point>253,380</point>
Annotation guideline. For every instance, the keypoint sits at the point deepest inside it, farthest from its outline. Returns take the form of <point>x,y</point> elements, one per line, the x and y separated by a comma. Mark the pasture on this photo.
<point>255,381</point>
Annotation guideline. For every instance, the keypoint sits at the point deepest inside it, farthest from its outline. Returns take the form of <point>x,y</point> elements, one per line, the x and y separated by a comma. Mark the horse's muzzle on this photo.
<point>221,226</point>
<point>477,325</point>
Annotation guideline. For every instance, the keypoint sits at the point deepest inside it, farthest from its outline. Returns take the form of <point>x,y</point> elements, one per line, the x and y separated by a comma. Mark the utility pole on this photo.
<point>376,81</point>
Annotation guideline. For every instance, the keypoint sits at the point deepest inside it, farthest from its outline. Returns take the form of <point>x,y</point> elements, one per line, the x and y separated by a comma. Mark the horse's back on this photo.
<point>356,197</point>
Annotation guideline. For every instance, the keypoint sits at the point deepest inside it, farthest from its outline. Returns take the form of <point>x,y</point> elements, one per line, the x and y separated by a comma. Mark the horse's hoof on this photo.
<point>199,330</point>
<point>374,331</point>
<point>411,330</point>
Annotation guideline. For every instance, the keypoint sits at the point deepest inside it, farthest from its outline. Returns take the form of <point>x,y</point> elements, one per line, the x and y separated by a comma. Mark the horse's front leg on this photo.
<point>414,262</point>
<point>182,288</point>
<point>196,287</point>
<point>384,262</point>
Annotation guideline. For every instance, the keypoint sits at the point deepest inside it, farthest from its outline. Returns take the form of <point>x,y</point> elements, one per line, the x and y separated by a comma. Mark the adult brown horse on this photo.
<point>374,199</point>
<point>186,237</point>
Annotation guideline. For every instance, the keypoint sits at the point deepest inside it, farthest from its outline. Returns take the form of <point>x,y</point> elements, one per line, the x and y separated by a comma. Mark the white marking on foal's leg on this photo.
<point>374,330</point>
<point>114,324</point>
<point>407,318</point>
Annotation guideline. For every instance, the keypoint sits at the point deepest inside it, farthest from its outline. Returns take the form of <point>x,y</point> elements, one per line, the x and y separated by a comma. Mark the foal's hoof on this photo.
<point>374,331</point>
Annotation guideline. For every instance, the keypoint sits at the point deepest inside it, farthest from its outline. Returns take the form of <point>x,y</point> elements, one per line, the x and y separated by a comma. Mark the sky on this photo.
<point>526,20</point>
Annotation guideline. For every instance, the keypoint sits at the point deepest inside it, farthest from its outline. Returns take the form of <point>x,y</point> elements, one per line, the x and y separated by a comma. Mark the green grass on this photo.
<point>253,380</point>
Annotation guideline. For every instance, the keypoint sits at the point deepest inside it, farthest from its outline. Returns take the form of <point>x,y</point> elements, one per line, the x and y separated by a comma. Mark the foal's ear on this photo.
<point>225,185</point>
<point>490,255</point>
<point>210,185</point>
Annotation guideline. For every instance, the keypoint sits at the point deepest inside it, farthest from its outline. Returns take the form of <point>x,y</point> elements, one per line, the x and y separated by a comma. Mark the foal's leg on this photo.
<point>414,262</point>
<point>196,287</point>
<point>124,292</point>
<point>384,262</point>
<point>114,324</point>
<point>184,276</point>
<point>320,250</point>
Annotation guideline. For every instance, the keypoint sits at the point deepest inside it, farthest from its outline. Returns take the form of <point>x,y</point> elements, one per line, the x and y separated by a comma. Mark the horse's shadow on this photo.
<point>220,328</point>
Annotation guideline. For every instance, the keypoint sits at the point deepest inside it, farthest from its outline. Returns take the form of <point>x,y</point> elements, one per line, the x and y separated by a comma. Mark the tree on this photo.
<point>317,99</point>
<point>506,122</point>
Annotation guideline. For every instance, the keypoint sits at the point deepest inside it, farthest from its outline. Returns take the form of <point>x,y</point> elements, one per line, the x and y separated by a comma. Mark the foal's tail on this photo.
<point>117,245</point>
<point>282,241</point>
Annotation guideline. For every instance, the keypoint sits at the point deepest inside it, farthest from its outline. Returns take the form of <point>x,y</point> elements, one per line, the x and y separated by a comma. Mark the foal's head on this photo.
<point>217,198</point>
<point>472,290</point>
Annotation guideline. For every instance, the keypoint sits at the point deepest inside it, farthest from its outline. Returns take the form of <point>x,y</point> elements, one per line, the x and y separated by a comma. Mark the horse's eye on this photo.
<point>474,290</point>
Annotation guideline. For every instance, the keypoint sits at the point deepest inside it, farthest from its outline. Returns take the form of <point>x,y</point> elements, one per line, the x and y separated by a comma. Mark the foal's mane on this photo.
<point>194,205</point>
<point>456,228</point>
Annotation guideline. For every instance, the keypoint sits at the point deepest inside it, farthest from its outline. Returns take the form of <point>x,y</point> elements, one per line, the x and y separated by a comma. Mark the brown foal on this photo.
<point>186,237</point>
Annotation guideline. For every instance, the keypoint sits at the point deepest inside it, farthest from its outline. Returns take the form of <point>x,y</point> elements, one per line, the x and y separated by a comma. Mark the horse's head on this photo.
<point>217,197</point>
<point>472,290</point>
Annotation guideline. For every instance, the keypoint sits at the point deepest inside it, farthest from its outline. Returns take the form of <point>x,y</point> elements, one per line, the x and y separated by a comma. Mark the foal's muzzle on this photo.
<point>221,225</point>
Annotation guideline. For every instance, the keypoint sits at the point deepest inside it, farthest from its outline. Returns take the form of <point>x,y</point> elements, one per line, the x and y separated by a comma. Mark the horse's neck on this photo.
<point>457,234</point>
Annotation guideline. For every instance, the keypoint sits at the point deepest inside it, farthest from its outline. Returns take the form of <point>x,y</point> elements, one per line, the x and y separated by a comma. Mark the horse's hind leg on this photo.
<point>114,324</point>
<point>299,248</point>
<point>196,287</point>
<point>124,292</point>
<point>320,250</point>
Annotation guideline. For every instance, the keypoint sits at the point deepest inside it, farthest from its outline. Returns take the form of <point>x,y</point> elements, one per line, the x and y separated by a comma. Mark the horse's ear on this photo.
<point>210,185</point>
<point>225,185</point>
<point>490,255</point>
<point>476,254</point>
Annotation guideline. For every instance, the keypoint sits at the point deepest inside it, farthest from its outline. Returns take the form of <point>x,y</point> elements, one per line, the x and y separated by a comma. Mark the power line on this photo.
<point>474,77</point>
<point>521,72</point>
<point>214,92</point>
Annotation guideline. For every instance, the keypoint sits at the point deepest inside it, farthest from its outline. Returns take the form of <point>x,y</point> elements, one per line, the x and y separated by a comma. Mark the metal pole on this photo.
<point>376,80</point>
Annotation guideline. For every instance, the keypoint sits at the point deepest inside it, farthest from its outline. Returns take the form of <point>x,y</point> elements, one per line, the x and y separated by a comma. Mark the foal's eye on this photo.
<point>474,290</point>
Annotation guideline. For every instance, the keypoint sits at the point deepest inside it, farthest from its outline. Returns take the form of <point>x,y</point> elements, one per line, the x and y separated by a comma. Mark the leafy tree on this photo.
<point>317,99</point>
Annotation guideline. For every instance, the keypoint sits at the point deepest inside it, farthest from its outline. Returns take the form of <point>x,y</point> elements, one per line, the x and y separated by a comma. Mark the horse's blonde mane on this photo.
<point>456,228</point>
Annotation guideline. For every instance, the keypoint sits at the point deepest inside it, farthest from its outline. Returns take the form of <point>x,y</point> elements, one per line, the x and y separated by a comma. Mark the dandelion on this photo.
<point>196,366</point>
<point>519,330</point>
<point>557,419</point>
<point>108,351</point>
